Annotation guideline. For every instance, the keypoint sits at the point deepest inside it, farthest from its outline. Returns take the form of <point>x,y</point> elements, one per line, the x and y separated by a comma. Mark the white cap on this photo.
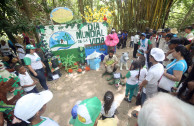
<point>27,106</point>
<point>119,32</point>
<point>113,30</point>
<point>158,54</point>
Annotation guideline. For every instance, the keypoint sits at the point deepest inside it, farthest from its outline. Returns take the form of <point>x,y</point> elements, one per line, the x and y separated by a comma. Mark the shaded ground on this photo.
<point>70,88</point>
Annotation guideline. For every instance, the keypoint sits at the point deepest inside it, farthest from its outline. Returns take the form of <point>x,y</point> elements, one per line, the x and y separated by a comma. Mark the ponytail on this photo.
<point>185,53</point>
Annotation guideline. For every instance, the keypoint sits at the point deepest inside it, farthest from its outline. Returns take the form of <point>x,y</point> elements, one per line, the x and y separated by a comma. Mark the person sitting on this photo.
<point>110,62</point>
<point>30,107</point>
<point>109,107</point>
<point>165,110</point>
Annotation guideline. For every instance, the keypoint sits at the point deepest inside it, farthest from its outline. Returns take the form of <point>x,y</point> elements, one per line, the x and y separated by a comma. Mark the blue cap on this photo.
<point>143,34</point>
<point>74,111</point>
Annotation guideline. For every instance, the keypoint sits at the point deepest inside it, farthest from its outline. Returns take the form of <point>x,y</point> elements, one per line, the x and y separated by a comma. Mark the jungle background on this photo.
<point>18,16</point>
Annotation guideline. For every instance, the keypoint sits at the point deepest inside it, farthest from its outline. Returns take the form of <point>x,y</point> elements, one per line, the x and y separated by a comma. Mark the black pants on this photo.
<point>135,50</point>
<point>120,43</point>
<point>162,90</point>
<point>40,76</point>
<point>124,43</point>
<point>148,60</point>
<point>34,90</point>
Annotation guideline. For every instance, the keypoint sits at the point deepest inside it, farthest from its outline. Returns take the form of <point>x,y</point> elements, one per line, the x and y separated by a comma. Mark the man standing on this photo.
<point>154,39</point>
<point>110,62</point>
<point>136,40</point>
<point>146,45</point>
<point>189,34</point>
<point>124,36</point>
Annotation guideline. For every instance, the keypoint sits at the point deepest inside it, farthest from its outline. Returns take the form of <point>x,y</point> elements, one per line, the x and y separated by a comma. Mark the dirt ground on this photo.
<point>73,87</point>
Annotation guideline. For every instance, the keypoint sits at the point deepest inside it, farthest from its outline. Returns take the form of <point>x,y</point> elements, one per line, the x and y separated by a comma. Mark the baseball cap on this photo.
<point>158,54</point>
<point>175,41</point>
<point>87,112</point>
<point>143,34</point>
<point>28,105</point>
<point>30,46</point>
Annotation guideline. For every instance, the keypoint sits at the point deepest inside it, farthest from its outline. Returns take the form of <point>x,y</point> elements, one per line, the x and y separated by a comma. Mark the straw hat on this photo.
<point>159,30</point>
<point>174,30</point>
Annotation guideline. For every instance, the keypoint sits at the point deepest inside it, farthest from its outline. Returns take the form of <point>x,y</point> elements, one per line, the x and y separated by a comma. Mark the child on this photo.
<point>109,108</point>
<point>30,107</point>
<point>132,80</point>
<point>143,70</point>
<point>21,53</point>
<point>25,80</point>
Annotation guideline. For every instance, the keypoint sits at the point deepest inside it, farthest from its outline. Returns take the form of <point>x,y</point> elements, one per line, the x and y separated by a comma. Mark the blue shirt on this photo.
<point>119,36</point>
<point>181,65</point>
<point>124,35</point>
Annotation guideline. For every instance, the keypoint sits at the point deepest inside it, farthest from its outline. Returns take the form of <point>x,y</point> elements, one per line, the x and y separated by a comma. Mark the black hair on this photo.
<point>136,65</point>
<point>185,85</point>
<point>185,53</point>
<point>154,31</point>
<point>111,51</point>
<point>27,51</point>
<point>167,30</point>
<point>108,100</point>
<point>189,27</point>
<point>17,67</point>
<point>184,41</point>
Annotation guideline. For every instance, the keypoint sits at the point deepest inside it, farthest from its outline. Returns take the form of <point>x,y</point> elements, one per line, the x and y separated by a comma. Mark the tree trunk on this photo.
<point>81,9</point>
<point>29,15</point>
<point>185,18</point>
<point>44,2</point>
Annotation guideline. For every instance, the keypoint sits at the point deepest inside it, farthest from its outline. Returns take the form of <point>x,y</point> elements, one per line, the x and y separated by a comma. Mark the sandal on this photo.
<point>126,99</point>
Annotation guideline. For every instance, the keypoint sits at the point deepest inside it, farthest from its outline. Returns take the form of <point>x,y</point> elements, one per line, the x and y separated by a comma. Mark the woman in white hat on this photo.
<point>154,73</point>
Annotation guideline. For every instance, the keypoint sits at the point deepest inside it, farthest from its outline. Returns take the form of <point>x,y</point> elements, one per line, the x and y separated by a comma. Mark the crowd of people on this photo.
<point>161,74</point>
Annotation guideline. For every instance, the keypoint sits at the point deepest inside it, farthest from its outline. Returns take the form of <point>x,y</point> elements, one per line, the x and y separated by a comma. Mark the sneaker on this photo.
<point>126,99</point>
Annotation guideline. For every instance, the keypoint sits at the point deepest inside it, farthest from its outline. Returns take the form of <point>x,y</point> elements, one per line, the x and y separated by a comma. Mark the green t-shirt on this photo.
<point>128,74</point>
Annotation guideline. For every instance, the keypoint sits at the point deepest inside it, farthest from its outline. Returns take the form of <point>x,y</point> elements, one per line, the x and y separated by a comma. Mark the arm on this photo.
<point>177,75</point>
<point>144,83</point>
<point>32,70</point>
<point>35,82</point>
<point>1,119</point>
<point>43,65</point>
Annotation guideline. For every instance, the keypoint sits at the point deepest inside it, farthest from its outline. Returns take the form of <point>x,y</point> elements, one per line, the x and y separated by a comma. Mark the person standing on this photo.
<point>162,39</point>
<point>136,40</point>
<point>146,45</point>
<point>120,39</point>
<point>154,73</point>
<point>154,39</point>
<point>132,41</point>
<point>35,65</point>
<point>124,36</point>
<point>189,34</point>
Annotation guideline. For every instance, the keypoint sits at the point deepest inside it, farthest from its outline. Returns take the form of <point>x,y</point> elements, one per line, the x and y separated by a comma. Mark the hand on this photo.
<point>35,74</point>
<point>140,87</point>
<point>44,66</point>
<point>166,59</point>
<point>146,52</point>
<point>112,65</point>
<point>105,65</point>
<point>35,82</point>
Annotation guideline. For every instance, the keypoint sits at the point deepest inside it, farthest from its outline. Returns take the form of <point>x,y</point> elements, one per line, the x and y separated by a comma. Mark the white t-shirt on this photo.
<point>136,39</point>
<point>5,50</point>
<point>111,111</point>
<point>154,74</point>
<point>165,47</point>
<point>143,73</point>
<point>133,80</point>
<point>190,36</point>
<point>162,42</point>
<point>21,55</point>
<point>35,61</point>
<point>132,38</point>
<point>26,80</point>
<point>46,122</point>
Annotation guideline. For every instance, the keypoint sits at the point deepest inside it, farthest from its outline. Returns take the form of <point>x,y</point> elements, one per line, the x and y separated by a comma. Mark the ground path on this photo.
<point>70,88</point>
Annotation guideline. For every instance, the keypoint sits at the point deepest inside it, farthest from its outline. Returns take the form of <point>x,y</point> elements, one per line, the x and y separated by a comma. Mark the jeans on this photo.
<point>131,44</point>
<point>34,90</point>
<point>143,98</point>
<point>124,43</point>
<point>40,76</point>
<point>130,88</point>
<point>135,50</point>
